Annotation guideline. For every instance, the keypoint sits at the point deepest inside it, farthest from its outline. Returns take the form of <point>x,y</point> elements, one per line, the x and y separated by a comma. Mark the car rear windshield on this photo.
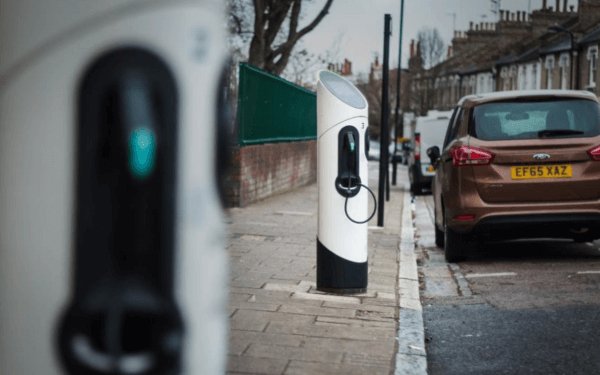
<point>565,118</point>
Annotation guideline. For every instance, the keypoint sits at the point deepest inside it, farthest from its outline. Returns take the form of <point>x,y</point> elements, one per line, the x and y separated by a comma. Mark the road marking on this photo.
<point>496,274</point>
<point>588,272</point>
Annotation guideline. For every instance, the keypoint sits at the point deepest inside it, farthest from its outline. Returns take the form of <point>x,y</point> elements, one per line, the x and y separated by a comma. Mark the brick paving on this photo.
<point>279,323</point>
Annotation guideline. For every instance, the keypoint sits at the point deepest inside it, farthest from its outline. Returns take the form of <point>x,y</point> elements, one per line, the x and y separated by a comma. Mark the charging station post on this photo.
<point>342,178</point>
<point>111,234</point>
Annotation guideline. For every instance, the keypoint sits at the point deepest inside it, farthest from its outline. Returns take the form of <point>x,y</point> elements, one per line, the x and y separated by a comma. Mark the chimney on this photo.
<point>501,15</point>
<point>449,51</point>
<point>518,16</point>
<point>558,5</point>
<point>544,4</point>
<point>471,25</point>
<point>571,8</point>
<point>565,5</point>
<point>412,48</point>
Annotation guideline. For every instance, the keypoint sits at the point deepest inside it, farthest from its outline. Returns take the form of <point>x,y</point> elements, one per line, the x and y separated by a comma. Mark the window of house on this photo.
<point>563,71</point>
<point>534,70</point>
<point>522,77</point>
<point>513,77</point>
<point>592,57</point>
<point>549,66</point>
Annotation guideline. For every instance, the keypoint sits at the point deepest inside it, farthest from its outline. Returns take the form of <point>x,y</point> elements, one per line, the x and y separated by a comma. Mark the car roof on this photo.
<point>473,100</point>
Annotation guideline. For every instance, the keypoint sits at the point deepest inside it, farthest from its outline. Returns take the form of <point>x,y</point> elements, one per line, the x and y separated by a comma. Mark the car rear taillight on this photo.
<point>464,217</point>
<point>417,146</point>
<point>466,155</point>
<point>595,153</point>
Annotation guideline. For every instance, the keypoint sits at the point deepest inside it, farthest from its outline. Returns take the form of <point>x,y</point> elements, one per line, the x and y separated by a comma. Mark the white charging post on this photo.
<point>342,178</point>
<point>112,244</point>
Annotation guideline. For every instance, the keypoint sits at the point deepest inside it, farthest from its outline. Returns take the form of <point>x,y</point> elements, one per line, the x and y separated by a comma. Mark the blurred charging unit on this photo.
<point>342,177</point>
<point>111,233</point>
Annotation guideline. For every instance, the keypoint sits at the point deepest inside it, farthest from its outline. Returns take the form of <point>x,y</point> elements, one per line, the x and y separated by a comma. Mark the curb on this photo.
<point>412,356</point>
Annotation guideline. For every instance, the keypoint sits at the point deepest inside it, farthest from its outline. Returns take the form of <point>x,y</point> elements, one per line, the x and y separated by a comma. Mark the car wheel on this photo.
<point>455,245</point>
<point>415,189</point>
<point>439,237</point>
<point>439,234</point>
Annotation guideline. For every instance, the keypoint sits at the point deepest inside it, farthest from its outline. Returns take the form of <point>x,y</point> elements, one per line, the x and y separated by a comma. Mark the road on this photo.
<point>520,307</point>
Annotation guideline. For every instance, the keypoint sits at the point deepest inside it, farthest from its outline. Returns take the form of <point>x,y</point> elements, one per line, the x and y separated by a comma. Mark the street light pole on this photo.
<point>397,123</point>
<point>385,114</point>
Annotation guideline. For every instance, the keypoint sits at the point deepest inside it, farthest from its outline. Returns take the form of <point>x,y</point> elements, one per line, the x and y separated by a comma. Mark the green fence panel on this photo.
<point>271,109</point>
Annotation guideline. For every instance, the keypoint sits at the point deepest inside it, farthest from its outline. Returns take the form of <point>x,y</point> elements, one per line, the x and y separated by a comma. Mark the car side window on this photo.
<point>453,126</point>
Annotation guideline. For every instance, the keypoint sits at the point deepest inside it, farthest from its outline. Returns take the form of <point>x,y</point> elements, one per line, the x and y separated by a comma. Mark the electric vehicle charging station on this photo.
<point>112,244</point>
<point>342,178</point>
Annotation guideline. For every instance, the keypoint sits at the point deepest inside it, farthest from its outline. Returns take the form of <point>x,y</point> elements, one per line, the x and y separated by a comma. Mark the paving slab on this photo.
<point>280,323</point>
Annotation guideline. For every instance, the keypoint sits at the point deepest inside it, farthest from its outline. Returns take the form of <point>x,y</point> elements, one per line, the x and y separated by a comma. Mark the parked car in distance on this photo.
<point>428,132</point>
<point>518,164</point>
<point>374,150</point>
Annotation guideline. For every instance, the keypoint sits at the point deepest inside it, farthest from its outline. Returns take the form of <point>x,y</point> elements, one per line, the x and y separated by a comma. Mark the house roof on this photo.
<point>590,37</point>
<point>560,45</point>
<point>529,54</point>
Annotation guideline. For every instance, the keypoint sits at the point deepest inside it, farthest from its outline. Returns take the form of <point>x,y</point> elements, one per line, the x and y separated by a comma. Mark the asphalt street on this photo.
<point>521,307</point>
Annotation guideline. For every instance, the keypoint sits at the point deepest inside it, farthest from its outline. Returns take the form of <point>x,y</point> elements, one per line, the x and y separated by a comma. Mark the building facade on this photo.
<point>555,47</point>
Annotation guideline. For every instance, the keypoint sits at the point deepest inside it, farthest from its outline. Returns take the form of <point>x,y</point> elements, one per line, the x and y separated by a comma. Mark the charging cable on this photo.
<point>346,204</point>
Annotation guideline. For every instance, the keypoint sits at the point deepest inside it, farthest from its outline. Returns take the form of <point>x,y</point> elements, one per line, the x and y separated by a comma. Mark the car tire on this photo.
<point>439,237</point>
<point>455,245</point>
<point>415,189</point>
<point>439,234</point>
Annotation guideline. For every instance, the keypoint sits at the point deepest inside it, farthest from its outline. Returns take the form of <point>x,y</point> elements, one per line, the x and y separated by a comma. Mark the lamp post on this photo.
<point>574,56</point>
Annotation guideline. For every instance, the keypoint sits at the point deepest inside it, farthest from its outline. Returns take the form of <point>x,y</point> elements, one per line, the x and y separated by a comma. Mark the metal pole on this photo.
<point>385,114</point>
<point>572,72</point>
<point>575,61</point>
<point>399,130</point>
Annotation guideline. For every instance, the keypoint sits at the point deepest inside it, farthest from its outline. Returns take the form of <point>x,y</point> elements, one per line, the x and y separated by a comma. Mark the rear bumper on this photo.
<point>550,225</point>
<point>467,212</point>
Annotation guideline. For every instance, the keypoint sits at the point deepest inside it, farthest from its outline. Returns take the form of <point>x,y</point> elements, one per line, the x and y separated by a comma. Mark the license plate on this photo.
<point>541,171</point>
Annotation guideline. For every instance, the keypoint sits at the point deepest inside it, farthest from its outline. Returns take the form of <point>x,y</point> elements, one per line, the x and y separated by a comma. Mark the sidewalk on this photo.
<point>279,323</point>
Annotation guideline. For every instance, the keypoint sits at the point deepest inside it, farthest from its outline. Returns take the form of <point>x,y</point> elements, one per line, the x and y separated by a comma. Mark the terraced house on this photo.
<point>555,47</point>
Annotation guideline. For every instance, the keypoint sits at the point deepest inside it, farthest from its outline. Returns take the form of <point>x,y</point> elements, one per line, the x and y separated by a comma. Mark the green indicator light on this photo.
<point>142,152</point>
<point>352,146</point>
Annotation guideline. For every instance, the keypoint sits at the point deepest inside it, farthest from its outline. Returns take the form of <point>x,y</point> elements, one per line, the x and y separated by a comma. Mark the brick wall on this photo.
<point>259,171</point>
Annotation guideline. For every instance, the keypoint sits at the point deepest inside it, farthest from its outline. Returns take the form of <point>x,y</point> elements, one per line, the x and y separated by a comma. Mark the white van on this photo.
<point>428,131</point>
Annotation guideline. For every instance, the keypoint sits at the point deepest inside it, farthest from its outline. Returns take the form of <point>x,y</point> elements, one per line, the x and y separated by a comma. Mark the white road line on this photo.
<point>588,272</point>
<point>496,274</point>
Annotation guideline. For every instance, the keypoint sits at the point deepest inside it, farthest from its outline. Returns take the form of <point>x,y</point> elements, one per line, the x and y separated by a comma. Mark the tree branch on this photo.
<point>289,44</point>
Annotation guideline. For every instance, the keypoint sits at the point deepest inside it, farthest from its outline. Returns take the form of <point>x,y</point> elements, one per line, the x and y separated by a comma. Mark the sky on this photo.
<point>353,29</point>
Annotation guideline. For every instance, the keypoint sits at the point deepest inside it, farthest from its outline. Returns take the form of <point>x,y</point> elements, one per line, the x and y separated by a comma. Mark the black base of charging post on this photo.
<point>338,275</point>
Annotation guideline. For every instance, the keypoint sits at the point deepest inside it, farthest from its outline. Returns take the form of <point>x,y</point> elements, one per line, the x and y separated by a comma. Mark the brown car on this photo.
<point>519,164</point>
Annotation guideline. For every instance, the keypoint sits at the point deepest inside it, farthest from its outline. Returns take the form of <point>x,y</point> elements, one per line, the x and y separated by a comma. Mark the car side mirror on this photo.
<point>434,154</point>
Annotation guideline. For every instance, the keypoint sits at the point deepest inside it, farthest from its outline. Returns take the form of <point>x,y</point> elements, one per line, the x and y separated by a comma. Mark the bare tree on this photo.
<point>372,92</point>
<point>275,29</point>
<point>432,46</point>
<point>303,64</point>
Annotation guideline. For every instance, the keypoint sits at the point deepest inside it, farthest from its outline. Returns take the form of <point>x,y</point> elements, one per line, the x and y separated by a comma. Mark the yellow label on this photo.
<point>541,171</point>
